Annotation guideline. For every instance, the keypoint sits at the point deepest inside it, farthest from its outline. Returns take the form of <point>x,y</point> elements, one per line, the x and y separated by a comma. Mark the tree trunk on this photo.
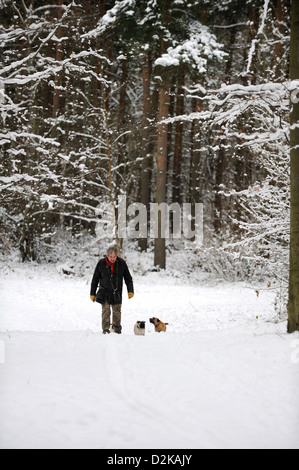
<point>178,143</point>
<point>219,179</point>
<point>145,150</point>
<point>278,49</point>
<point>111,187</point>
<point>28,237</point>
<point>293,307</point>
<point>195,144</point>
<point>121,142</point>
<point>160,255</point>
<point>59,55</point>
<point>196,175</point>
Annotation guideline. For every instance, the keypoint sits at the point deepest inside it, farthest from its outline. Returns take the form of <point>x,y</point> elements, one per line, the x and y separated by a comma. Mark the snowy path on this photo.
<point>219,377</point>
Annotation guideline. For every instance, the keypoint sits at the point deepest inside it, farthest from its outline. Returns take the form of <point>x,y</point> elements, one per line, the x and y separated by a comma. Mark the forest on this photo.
<point>156,101</point>
<point>169,128</point>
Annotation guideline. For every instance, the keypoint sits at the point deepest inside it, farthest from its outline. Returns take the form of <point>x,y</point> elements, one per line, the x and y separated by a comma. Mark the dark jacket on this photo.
<point>102,278</point>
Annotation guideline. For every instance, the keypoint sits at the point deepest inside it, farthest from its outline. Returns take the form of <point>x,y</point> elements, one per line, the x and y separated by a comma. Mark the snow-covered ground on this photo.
<point>224,375</point>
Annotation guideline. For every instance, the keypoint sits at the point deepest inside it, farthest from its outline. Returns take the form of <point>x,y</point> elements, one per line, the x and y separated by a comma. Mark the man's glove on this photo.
<point>93,298</point>
<point>130,295</point>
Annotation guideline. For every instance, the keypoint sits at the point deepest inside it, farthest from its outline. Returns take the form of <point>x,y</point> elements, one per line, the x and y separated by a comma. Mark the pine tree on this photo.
<point>293,309</point>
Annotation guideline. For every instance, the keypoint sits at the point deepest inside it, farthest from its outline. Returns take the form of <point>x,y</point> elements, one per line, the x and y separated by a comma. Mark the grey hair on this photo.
<point>112,248</point>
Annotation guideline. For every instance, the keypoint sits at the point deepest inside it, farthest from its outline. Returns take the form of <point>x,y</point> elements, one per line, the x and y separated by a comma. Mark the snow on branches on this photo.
<point>200,46</point>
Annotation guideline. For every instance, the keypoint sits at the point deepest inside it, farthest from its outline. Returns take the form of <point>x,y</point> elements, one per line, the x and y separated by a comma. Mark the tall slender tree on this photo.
<point>160,255</point>
<point>146,132</point>
<point>293,309</point>
<point>161,160</point>
<point>178,142</point>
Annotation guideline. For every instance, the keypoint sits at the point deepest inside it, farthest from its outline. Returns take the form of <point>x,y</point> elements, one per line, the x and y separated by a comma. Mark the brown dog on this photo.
<point>159,325</point>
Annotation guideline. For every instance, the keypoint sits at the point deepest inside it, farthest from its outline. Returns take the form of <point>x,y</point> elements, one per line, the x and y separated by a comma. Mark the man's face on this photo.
<point>112,257</point>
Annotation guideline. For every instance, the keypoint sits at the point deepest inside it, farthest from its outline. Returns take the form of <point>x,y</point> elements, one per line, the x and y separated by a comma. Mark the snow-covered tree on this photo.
<point>54,150</point>
<point>100,99</point>
<point>293,311</point>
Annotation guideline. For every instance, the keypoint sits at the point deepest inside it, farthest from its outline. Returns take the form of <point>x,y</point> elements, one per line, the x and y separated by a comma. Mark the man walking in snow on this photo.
<point>108,276</point>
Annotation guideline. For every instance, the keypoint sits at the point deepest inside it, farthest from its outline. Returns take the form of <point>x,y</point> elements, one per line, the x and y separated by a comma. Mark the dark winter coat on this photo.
<point>102,278</point>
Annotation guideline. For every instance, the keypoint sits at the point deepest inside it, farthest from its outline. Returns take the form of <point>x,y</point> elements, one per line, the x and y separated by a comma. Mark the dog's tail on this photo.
<point>166,323</point>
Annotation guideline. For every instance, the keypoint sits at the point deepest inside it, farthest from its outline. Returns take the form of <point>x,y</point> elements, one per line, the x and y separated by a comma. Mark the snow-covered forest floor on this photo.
<point>224,375</point>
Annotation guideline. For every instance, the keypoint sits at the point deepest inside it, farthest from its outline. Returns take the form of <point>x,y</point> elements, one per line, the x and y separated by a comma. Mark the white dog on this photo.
<point>139,328</point>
